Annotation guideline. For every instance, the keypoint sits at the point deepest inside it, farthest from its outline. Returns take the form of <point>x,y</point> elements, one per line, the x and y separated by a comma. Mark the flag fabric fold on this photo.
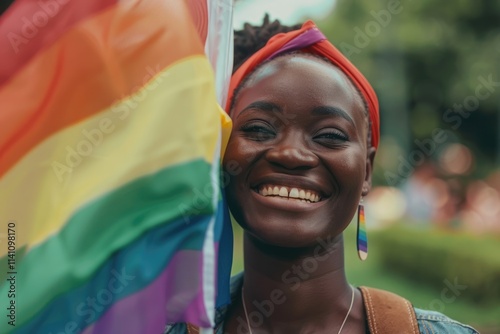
<point>109,165</point>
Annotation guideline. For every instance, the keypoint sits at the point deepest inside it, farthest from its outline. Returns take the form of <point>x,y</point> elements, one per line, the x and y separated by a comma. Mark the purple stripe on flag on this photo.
<point>175,296</point>
<point>310,37</point>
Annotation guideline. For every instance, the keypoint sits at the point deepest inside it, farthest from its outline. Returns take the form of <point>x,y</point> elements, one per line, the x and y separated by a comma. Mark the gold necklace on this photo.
<point>341,326</point>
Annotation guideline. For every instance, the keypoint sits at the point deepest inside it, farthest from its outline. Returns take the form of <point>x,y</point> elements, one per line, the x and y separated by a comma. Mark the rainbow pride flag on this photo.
<point>111,214</point>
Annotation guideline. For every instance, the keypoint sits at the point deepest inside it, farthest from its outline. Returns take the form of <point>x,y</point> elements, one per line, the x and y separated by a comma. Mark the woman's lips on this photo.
<point>290,204</point>
<point>289,193</point>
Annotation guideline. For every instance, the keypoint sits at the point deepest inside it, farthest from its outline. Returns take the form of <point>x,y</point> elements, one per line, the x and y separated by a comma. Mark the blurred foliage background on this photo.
<point>436,70</point>
<point>434,211</point>
<point>423,59</point>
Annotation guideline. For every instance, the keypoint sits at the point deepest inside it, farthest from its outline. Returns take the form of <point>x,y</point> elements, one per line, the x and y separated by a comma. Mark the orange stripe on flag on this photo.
<point>199,13</point>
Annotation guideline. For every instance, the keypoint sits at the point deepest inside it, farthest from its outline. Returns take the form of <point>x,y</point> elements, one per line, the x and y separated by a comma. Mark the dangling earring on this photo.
<point>362,240</point>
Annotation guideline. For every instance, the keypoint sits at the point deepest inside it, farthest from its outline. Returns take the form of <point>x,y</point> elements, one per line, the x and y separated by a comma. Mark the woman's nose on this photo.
<point>291,154</point>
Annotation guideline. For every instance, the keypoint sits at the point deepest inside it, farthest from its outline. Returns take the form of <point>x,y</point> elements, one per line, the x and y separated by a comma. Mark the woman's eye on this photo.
<point>332,137</point>
<point>258,132</point>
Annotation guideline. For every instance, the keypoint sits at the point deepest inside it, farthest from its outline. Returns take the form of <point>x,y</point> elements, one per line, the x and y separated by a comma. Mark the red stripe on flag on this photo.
<point>30,26</point>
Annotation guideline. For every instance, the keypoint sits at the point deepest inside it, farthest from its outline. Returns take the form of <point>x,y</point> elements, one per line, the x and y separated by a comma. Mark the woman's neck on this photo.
<point>296,287</point>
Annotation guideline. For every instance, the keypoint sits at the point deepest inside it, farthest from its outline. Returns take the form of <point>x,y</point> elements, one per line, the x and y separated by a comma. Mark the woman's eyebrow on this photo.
<point>333,111</point>
<point>262,105</point>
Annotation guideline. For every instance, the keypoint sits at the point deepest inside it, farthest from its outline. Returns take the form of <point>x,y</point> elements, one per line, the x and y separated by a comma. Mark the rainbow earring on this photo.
<point>361,238</point>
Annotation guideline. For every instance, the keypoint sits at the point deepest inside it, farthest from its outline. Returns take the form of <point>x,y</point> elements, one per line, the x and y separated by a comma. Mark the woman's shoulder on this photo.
<point>383,305</point>
<point>430,322</point>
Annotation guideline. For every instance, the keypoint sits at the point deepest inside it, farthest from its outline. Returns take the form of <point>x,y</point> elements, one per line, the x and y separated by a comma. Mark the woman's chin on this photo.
<point>290,229</point>
<point>287,236</point>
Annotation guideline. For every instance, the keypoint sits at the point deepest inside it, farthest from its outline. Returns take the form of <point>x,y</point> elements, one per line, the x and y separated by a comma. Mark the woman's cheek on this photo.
<point>353,161</point>
<point>246,150</point>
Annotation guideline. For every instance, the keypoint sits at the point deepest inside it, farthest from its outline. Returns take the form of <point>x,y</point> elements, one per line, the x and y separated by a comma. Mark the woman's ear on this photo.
<point>367,184</point>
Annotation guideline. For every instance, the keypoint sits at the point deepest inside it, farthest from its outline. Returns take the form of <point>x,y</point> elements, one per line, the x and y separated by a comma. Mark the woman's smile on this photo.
<point>303,195</point>
<point>289,193</point>
<point>286,203</point>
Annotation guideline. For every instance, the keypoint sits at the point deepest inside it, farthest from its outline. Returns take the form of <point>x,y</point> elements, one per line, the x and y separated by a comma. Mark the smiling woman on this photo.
<point>299,126</point>
<point>305,133</point>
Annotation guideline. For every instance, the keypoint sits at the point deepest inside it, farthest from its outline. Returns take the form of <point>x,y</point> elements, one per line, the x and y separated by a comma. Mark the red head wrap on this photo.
<point>310,39</point>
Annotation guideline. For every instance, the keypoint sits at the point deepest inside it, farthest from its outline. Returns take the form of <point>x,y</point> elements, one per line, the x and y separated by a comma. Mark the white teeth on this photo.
<point>302,194</point>
<point>294,193</point>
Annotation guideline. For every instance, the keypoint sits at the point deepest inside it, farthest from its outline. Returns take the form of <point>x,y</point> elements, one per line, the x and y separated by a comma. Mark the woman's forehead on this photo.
<point>312,79</point>
<point>308,63</point>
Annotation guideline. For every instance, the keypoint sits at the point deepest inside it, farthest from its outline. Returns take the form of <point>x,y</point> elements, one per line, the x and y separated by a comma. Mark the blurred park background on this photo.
<point>433,214</point>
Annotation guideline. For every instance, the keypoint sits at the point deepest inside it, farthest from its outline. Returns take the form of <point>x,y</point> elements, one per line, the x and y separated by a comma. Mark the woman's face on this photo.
<point>297,156</point>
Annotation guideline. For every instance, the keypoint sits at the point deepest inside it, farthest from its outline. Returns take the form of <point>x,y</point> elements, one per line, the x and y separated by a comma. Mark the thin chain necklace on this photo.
<point>341,326</point>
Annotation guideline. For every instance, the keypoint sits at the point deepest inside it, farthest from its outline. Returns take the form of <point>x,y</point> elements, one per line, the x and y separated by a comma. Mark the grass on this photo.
<point>486,318</point>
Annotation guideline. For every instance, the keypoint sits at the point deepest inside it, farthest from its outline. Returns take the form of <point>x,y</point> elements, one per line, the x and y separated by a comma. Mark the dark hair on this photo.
<point>4,5</point>
<point>252,38</point>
